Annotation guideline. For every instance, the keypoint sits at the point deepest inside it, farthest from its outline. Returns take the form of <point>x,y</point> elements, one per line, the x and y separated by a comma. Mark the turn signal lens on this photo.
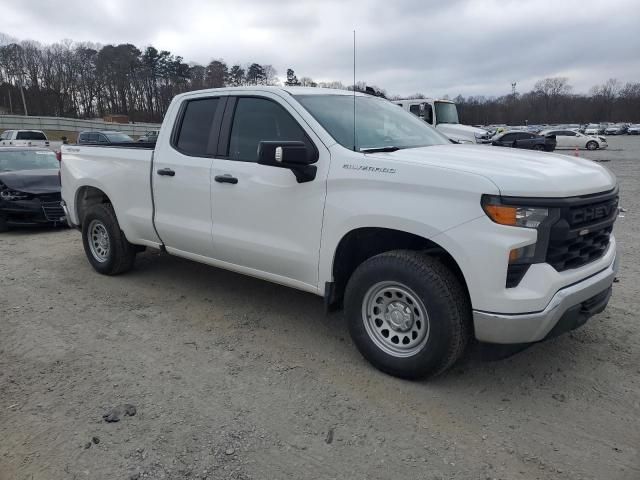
<point>523,254</point>
<point>501,214</point>
<point>513,215</point>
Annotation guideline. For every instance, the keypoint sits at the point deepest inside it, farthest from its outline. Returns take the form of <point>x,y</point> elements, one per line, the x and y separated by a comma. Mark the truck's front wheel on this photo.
<point>106,247</point>
<point>408,314</point>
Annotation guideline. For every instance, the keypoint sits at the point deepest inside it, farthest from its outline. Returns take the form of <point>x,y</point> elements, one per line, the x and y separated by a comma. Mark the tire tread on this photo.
<point>123,251</point>
<point>429,269</point>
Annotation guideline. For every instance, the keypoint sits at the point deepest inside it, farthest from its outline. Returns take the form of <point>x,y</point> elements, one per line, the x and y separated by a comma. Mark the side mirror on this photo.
<point>295,156</point>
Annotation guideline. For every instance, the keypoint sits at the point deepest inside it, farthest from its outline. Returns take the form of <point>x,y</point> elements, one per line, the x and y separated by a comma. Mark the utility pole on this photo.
<point>24,102</point>
<point>513,99</point>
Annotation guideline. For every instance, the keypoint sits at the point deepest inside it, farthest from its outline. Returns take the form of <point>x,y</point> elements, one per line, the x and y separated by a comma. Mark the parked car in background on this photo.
<point>530,141</point>
<point>617,129</point>
<point>150,136</point>
<point>29,187</point>
<point>103,137</point>
<point>593,129</point>
<point>24,138</point>
<point>633,129</point>
<point>575,139</point>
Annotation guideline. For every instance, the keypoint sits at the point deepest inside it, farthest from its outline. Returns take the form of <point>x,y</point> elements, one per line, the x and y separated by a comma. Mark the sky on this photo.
<point>434,47</point>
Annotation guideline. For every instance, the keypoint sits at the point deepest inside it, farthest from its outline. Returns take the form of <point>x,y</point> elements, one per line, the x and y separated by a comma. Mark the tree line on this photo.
<point>552,101</point>
<point>86,80</point>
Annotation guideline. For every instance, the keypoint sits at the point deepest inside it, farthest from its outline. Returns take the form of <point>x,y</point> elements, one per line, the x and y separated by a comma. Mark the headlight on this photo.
<point>512,215</point>
<point>10,195</point>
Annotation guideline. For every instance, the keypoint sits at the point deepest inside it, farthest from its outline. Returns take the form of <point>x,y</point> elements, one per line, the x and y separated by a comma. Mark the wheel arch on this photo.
<point>360,244</point>
<point>87,196</point>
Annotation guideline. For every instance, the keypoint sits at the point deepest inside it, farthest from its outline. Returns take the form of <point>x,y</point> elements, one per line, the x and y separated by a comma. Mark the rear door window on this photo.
<point>195,127</point>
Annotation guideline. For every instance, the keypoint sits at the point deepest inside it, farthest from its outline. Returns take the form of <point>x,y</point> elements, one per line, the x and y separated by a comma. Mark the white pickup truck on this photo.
<point>427,244</point>
<point>23,138</point>
<point>443,115</point>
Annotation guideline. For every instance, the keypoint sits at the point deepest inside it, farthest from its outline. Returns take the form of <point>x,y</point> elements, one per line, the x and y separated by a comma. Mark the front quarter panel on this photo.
<point>383,192</point>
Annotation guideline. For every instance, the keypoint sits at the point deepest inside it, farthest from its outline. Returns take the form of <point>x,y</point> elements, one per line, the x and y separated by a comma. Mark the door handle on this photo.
<point>226,179</point>
<point>166,172</point>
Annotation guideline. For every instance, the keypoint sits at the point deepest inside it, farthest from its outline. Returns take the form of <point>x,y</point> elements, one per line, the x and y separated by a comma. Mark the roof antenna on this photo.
<point>354,90</point>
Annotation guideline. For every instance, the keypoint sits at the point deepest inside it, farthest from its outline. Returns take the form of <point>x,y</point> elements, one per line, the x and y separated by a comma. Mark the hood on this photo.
<point>516,172</point>
<point>32,181</point>
<point>457,130</point>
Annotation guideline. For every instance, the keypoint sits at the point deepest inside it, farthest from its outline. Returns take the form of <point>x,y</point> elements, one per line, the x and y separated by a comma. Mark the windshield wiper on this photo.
<point>389,148</point>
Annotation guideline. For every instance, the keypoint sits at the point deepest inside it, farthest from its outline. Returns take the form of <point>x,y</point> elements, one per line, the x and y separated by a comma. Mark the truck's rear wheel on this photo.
<point>105,245</point>
<point>408,314</point>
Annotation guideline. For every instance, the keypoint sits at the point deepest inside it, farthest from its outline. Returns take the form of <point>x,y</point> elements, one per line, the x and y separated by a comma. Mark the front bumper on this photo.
<point>569,308</point>
<point>32,212</point>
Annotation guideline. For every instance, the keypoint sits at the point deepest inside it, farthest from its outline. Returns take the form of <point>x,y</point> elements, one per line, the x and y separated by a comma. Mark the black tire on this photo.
<point>120,255</point>
<point>592,145</point>
<point>539,147</point>
<point>448,313</point>
<point>3,225</point>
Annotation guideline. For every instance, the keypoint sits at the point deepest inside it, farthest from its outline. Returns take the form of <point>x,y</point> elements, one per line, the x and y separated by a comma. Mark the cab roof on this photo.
<point>285,89</point>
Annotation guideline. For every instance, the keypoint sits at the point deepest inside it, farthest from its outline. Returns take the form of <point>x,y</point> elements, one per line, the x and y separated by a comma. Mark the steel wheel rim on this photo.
<point>99,242</point>
<point>395,319</point>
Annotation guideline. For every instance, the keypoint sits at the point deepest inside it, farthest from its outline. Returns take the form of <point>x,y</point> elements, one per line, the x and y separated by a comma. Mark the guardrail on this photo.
<point>20,122</point>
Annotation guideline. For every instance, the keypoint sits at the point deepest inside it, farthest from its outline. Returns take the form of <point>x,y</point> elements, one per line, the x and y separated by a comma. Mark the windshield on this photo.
<point>379,123</point>
<point>116,137</point>
<point>446,112</point>
<point>27,160</point>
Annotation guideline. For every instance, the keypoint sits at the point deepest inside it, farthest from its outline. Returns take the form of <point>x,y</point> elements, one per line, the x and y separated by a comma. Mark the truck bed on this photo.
<point>123,172</point>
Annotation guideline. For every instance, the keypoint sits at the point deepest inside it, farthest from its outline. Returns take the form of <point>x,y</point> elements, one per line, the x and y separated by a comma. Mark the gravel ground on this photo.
<point>235,378</point>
